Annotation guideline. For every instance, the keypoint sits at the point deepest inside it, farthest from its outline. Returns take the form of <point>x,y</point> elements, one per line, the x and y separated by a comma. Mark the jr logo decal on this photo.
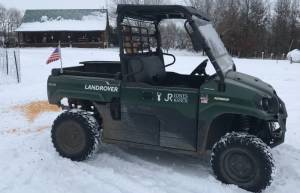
<point>169,98</point>
<point>172,98</point>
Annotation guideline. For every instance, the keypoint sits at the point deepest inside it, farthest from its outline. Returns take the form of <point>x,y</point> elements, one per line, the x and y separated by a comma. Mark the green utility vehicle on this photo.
<point>137,102</point>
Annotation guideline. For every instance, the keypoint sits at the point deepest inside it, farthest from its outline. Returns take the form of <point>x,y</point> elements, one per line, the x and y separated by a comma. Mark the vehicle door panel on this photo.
<point>159,116</point>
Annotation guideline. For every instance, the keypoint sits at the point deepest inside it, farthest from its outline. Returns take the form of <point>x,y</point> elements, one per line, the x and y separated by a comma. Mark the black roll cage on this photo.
<point>157,13</point>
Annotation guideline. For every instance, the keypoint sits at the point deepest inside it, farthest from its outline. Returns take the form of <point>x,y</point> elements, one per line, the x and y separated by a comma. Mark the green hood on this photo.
<point>251,81</point>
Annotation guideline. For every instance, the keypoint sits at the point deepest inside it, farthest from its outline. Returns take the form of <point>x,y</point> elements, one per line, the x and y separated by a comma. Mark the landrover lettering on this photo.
<point>101,88</point>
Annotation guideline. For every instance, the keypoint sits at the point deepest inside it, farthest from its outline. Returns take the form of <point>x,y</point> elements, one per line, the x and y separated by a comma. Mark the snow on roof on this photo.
<point>64,20</point>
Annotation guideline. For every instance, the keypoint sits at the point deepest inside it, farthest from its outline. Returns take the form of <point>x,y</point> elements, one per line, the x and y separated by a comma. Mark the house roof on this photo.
<point>64,20</point>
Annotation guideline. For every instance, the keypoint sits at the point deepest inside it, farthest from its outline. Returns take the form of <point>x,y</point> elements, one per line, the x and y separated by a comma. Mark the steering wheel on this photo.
<point>200,69</point>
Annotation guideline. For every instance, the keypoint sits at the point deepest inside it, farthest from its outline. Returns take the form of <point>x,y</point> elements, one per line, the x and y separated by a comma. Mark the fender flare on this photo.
<point>212,113</point>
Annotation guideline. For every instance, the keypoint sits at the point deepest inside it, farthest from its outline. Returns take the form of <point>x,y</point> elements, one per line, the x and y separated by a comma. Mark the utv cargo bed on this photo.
<point>103,69</point>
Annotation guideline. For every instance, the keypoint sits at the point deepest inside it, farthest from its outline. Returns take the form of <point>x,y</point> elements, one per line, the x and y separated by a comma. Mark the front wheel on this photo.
<point>243,160</point>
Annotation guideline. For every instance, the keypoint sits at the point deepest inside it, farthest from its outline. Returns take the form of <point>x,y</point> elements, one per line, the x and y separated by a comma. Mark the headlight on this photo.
<point>270,105</point>
<point>265,104</point>
<point>281,106</point>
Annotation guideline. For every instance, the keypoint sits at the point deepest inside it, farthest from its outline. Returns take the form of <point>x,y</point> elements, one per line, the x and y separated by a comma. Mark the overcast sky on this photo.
<point>54,4</point>
<point>57,4</point>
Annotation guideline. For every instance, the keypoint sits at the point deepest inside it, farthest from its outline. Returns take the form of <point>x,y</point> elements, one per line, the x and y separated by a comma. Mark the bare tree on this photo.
<point>227,23</point>
<point>14,18</point>
<point>280,26</point>
<point>205,6</point>
<point>168,35</point>
<point>3,17</point>
<point>252,23</point>
<point>294,25</point>
<point>9,20</point>
<point>242,24</point>
<point>183,40</point>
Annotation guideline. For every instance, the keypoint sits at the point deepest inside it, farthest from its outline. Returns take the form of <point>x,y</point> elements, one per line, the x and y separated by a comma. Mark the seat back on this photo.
<point>148,69</point>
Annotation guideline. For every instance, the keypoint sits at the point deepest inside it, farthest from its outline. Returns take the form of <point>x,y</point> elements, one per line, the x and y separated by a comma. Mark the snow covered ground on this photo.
<point>29,162</point>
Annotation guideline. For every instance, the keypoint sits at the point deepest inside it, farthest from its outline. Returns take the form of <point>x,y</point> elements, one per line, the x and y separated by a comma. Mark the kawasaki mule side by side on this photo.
<point>137,102</point>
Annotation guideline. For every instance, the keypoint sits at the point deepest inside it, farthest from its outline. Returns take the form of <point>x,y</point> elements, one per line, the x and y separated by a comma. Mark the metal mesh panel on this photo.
<point>138,37</point>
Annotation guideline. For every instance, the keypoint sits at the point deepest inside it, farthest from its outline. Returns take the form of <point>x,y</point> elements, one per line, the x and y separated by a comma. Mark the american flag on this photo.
<point>54,56</point>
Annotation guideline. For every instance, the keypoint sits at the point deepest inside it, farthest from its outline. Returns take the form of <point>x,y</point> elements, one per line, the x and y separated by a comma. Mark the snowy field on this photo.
<point>30,164</point>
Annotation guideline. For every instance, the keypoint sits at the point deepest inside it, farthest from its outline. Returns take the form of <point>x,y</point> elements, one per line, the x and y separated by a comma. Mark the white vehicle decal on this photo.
<point>204,99</point>
<point>101,88</point>
<point>159,96</point>
<point>173,98</point>
<point>222,99</point>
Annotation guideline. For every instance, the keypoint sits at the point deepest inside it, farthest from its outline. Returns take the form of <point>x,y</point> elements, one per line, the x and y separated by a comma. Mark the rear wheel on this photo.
<point>244,160</point>
<point>76,135</point>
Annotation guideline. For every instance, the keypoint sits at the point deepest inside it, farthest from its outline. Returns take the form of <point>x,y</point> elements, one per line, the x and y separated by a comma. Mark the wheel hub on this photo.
<point>239,166</point>
<point>70,137</point>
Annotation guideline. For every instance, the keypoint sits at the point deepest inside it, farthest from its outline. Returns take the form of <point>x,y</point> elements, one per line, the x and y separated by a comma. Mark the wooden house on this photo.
<point>72,27</point>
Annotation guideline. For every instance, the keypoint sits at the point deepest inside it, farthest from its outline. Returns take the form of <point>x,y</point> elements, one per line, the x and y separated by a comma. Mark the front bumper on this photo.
<point>277,134</point>
<point>277,127</point>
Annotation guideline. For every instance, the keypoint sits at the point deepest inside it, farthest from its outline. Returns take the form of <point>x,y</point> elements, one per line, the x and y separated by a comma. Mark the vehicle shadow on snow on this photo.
<point>287,159</point>
<point>183,164</point>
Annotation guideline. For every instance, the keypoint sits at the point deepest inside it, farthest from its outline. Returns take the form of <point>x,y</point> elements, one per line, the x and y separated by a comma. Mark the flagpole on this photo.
<point>61,64</point>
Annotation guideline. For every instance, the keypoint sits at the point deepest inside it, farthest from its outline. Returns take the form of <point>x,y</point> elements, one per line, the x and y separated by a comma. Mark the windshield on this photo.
<point>215,44</point>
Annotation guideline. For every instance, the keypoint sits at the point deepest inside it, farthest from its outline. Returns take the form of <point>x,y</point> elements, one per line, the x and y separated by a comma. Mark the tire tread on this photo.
<point>252,143</point>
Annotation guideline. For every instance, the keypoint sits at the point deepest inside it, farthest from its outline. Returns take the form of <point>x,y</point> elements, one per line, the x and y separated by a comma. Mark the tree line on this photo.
<point>249,28</point>
<point>10,19</point>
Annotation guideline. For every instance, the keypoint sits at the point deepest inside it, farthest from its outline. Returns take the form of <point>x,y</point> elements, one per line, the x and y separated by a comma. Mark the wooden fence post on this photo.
<point>17,68</point>
<point>6,62</point>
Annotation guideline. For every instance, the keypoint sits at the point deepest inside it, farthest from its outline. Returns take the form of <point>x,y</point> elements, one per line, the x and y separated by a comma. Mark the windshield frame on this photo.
<point>207,47</point>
